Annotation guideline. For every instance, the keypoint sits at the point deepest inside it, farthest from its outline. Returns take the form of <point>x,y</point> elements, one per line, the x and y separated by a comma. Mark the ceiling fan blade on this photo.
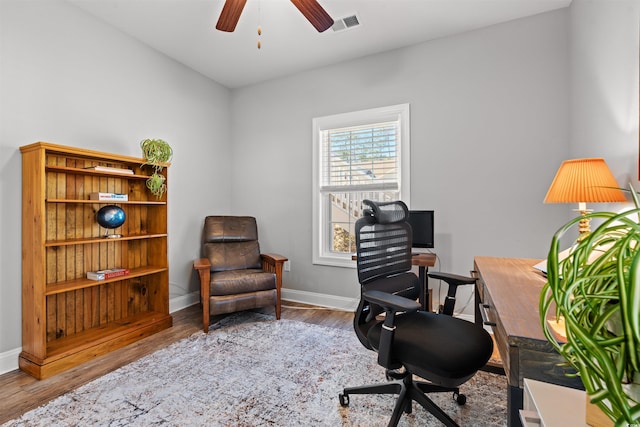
<point>230,14</point>
<point>312,10</point>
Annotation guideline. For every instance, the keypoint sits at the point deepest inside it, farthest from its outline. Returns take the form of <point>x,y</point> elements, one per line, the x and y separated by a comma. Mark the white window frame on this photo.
<point>401,112</point>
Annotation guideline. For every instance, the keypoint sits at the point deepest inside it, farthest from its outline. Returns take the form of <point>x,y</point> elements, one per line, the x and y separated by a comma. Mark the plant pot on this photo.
<point>595,417</point>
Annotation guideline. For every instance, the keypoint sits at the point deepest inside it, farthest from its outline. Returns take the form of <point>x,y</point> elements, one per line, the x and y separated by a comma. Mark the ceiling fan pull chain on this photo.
<point>259,21</point>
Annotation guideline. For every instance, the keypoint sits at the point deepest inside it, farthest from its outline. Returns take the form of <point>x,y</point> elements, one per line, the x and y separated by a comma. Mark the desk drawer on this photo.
<point>490,315</point>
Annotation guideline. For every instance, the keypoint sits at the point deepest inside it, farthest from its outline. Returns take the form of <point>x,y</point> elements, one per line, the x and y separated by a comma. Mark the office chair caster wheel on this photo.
<point>460,399</point>
<point>344,400</point>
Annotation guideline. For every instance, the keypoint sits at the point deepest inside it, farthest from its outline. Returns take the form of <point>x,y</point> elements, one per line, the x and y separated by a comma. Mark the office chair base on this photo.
<point>408,391</point>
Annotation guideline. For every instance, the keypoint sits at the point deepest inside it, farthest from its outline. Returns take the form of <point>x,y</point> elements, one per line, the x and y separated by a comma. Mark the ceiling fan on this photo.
<point>311,10</point>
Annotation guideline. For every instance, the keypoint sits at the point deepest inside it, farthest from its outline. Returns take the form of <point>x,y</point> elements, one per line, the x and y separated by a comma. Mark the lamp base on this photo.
<point>584,226</point>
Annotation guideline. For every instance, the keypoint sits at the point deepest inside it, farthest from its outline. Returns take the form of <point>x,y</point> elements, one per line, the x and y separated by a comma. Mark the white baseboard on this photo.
<point>323,300</point>
<point>9,360</point>
<point>183,301</point>
<point>304,297</point>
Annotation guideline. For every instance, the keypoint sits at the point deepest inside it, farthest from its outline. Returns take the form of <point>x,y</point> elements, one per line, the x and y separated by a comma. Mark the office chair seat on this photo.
<point>450,352</point>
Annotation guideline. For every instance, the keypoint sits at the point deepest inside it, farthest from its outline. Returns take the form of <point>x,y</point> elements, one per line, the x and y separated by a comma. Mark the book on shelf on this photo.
<point>110,197</point>
<point>107,274</point>
<point>110,169</point>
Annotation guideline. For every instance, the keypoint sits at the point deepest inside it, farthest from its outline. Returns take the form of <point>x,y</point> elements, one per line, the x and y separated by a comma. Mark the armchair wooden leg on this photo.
<point>203,267</point>
<point>205,315</point>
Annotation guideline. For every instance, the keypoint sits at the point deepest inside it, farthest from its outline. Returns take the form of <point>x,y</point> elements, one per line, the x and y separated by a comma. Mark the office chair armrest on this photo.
<point>390,301</point>
<point>452,279</point>
<point>392,304</point>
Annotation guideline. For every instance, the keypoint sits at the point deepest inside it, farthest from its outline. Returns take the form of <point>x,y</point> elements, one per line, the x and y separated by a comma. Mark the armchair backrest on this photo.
<point>231,242</point>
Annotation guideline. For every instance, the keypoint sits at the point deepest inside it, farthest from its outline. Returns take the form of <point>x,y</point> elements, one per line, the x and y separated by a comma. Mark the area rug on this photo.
<point>251,370</point>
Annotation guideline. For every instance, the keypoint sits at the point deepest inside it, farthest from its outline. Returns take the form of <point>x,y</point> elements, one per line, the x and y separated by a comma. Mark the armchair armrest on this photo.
<point>274,263</point>
<point>203,267</point>
<point>274,258</point>
<point>202,263</point>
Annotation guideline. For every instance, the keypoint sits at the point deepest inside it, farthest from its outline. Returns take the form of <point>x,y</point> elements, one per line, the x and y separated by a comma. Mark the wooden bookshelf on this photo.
<point>68,319</point>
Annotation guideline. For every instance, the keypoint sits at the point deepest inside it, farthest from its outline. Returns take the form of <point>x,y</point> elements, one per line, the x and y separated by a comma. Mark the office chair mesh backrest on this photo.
<point>383,240</point>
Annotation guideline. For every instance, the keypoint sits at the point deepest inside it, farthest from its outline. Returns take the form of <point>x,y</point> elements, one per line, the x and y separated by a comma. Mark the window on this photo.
<point>356,156</point>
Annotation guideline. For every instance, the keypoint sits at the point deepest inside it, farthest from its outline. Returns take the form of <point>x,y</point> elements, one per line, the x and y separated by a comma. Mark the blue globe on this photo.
<point>110,216</point>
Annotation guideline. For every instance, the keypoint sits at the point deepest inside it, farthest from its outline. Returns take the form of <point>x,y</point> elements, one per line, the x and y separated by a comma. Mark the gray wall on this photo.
<point>489,126</point>
<point>494,112</point>
<point>605,46</point>
<point>67,78</point>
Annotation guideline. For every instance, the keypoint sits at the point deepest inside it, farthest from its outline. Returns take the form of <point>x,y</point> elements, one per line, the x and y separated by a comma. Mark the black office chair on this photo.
<point>441,349</point>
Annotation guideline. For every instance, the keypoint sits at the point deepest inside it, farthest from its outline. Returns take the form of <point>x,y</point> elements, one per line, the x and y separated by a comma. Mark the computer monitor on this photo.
<point>422,226</point>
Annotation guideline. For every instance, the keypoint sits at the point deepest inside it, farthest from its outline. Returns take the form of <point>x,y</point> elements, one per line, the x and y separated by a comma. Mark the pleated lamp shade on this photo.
<point>584,181</point>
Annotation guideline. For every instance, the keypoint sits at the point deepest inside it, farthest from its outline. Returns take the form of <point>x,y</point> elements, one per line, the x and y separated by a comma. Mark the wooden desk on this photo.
<point>509,290</point>
<point>424,261</point>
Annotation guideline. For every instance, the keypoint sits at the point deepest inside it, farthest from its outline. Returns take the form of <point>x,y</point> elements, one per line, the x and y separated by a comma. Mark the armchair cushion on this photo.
<point>233,256</point>
<point>241,281</point>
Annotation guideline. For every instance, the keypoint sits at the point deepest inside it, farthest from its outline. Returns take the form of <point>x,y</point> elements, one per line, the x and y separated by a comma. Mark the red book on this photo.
<point>107,274</point>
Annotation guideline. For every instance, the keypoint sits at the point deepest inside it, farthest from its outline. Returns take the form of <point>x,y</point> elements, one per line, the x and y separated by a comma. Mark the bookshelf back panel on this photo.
<point>76,311</point>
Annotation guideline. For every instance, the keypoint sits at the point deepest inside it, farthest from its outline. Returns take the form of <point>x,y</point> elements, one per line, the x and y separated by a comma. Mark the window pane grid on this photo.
<point>345,209</point>
<point>365,155</point>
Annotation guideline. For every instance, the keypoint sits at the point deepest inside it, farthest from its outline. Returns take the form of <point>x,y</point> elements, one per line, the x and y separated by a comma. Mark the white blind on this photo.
<point>360,158</point>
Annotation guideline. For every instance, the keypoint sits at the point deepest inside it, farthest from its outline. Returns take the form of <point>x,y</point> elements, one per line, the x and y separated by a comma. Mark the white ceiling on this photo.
<point>185,30</point>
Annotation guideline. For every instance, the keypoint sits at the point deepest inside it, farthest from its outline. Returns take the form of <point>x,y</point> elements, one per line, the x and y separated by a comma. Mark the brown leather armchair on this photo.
<point>234,275</point>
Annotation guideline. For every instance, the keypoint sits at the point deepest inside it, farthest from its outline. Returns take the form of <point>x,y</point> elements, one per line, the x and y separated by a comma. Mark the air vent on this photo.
<point>345,23</point>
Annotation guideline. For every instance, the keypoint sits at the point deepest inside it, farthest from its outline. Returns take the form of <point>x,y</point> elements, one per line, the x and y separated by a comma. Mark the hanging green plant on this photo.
<point>156,184</point>
<point>156,153</point>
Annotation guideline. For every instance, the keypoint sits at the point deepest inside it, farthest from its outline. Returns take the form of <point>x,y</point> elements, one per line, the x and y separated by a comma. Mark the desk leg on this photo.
<point>424,294</point>
<point>514,404</point>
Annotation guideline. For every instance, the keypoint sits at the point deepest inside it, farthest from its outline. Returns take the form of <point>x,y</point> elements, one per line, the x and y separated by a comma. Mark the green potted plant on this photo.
<point>596,291</point>
<point>156,153</point>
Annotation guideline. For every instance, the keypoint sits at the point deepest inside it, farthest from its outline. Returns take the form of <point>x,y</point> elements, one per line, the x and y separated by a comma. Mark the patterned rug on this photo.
<point>251,370</point>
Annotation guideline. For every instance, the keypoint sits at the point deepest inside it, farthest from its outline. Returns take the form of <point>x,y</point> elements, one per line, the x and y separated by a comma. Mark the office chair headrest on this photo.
<point>387,212</point>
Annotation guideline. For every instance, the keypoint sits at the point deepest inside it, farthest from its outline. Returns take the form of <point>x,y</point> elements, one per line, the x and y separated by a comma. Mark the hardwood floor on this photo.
<point>20,392</point>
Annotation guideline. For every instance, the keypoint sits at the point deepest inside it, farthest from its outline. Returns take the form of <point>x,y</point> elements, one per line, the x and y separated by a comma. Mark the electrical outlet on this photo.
<point>287,265</point>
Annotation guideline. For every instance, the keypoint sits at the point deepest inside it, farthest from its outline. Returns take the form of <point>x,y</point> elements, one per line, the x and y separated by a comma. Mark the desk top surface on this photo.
<point>420,259</point>
<point>514,286</point>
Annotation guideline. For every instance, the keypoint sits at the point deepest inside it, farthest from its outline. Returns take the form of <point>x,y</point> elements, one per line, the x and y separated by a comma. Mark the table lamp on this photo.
<point>584,181</point>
